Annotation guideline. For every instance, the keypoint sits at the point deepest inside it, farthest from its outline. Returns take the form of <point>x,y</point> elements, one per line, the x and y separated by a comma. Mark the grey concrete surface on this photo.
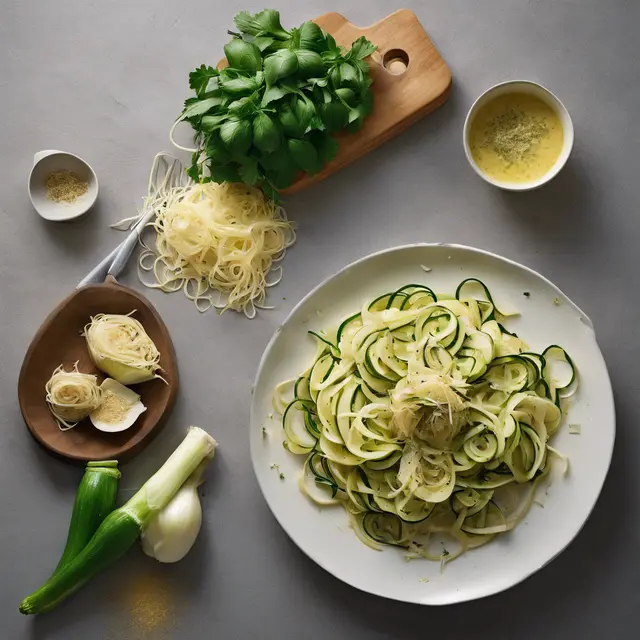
<point>105,80</point>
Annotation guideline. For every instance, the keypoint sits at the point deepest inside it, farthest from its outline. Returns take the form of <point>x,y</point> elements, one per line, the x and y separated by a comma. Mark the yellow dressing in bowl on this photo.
<point>515,137</point>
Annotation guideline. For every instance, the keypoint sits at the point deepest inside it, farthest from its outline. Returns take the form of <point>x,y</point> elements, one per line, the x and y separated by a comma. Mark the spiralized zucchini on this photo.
<point>72,396</point>
<point>218,243</point>
<point>424,417</point>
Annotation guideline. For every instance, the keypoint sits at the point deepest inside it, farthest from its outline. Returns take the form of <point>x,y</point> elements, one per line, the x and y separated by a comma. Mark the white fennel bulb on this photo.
<point>119,346</point>
<point>173,531</point>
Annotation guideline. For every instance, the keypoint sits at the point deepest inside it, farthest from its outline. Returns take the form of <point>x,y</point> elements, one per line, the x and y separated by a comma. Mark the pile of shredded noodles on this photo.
<point>218,243</point>
<point>72,396</point>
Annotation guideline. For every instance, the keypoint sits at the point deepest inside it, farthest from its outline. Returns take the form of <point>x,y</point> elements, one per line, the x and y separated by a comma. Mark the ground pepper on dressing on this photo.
<point>516,137</point>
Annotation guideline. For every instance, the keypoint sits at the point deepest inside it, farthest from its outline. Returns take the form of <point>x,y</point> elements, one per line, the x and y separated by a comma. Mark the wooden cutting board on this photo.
<point>400,99</point>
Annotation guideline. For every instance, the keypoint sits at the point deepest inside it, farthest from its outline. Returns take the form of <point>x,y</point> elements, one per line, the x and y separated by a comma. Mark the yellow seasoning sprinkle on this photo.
<point>150,604</point>
<point>113,408</point>
<point>65,186</point>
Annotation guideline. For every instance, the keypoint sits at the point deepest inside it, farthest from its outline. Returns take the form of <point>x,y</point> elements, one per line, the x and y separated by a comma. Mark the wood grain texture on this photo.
<point>59,341</point>
<point>399,100</point>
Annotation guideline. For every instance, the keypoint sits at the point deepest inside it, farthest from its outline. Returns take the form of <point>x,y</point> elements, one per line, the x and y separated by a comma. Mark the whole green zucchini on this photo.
<point>114,537</point>
<point>95,500</point>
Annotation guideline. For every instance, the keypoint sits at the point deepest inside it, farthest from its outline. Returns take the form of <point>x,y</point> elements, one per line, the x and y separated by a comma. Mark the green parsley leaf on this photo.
<point>194,172</point>
<point>200,107</point>
<point>360,49</point>
<point>289,122</point>
<point>236,135</point>
<point>243,55</point>
<point>240,86</point>
<point>304,155</point>
<point>312,37</point>
<point>226,173</point>
<point>199,78</point>
<point>334,116</point>
<point>263,42</point>
<point>249,171</point>
<point>266,22</point>
<point>326,145</point>
<point>279,65</point>
<point>209,123</point>
<point>310,64</point>
<point>270,191</point>
<point>303,110</point>
<point>266,133</point>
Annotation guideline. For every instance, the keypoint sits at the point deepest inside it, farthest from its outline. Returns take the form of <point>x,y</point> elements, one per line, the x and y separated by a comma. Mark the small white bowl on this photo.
<point>534,89</point>
<point>45,163</point>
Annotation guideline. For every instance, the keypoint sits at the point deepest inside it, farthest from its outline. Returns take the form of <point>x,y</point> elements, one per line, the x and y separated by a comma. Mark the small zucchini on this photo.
<point>95,500</point>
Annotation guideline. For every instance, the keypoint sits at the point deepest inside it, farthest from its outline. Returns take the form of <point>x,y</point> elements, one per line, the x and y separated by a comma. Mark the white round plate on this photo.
<point>548,317</point>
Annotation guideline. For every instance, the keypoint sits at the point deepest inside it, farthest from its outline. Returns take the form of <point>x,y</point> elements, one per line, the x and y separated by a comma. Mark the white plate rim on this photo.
<point>318,560</point>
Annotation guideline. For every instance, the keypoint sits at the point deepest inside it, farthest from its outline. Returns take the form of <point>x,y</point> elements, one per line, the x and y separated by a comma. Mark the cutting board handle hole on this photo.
<point>395,61</point>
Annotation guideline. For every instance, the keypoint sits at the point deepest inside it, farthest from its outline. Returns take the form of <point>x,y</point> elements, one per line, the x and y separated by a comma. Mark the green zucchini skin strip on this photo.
<point>95,500</point>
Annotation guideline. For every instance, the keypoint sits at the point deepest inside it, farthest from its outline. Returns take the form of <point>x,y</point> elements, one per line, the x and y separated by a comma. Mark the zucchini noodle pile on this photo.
<point>216,242</point>
<point>426,420</point>
<point>222,238</point>
<point>72,396</point>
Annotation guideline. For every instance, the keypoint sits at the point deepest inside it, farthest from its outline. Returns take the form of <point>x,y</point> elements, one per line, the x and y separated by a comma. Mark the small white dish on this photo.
<point>45,163</point>
<point>548,317</point>
<point>534,89</point>
<point>122,393</point>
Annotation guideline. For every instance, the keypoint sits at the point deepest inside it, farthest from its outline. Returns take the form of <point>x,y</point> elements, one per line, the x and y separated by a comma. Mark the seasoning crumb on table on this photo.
<point>151,605</point>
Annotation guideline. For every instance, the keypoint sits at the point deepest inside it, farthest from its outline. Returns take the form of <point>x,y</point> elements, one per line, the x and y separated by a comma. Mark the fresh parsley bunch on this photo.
<point>271,112</point>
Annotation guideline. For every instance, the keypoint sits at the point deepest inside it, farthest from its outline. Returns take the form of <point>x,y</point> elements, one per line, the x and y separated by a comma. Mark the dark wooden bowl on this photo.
<point>59,341</point>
